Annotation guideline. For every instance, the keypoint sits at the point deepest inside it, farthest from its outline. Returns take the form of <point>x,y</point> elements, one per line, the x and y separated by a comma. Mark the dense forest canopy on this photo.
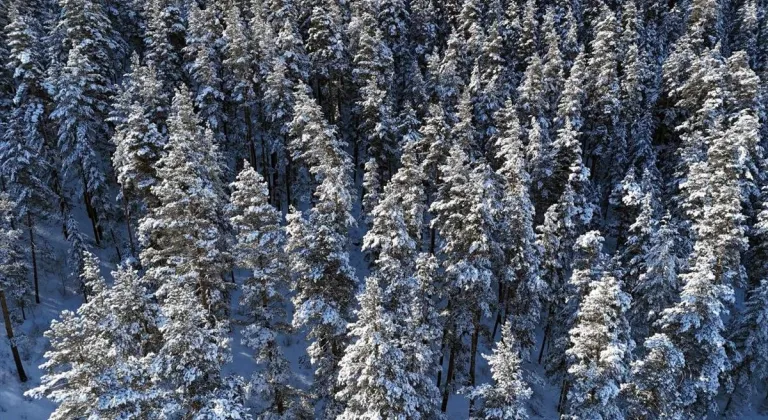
<point>514,203</point>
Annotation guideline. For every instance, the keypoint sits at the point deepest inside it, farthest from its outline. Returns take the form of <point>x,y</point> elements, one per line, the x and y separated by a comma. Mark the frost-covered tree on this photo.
<point>605,137</point>
<point>751,341</point>
<point>99,351</point>
<point>463,221</point>
<point>204,44</point>
<point>260,243</point>
<point>553,71</point>
<point>516,228</point>
<point>240,73</point>
<point>396,282</point>
<point>184,238</point>
<point>139,116</point>
<point>14,270</point>
<point>652,391</point>
<point>657,285</point>
<point>328,56</point>
<point>563,222</point>
<point>324,281</point>
<point>599,352</point>
<point>80,112</point>
<point>26,161</point>
<point>164,39</point>
<point>373,373</point>
<point>187,369</point>
<point>506,398</point>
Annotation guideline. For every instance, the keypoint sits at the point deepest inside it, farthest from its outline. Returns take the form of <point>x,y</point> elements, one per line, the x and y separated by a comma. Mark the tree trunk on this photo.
<point>127,212</point>
<point>249,137</point>
<point>288,173</point>
<point>442,357</point>
<point>448,379</point>
<point>563,397</point>
<point>9,331</point>
<point>33,250</point>
<point>276,199</point>
<point>546,338</point>
<point>473,358</point>
<point>117,245</point>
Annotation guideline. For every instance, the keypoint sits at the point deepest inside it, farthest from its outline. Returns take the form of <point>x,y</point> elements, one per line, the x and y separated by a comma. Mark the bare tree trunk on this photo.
<point>33,250</point>
<point>546,336</point>
<point>288,173</point>
<point>442,357</point>
<point>127,213</point>
<point>117,245</point>
<point>563,396</point>
<point>9,331</point>
<point>448,379</point>
<point>473,358</point>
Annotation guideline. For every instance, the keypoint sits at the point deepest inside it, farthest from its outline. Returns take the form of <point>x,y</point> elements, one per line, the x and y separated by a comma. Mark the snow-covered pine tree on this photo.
<point>465,226</point>
<point>553,67</point>
<point>605,140</point>
<point>80,112</point>
<point>96,365</point>
<point>85,24</point>
<point>378,137</point>
<point>695,323</point>
<point>203,51</point>
<point>79,354</point>
<point>494,86</point>
<point>563,223</point>
<point>164,39</point>
<point>506,398</point>
<point>528,43</point>
<point>187,369</point>
<point>278,103</point>
<point>25,152</point>
<point>239,76</point>
<point>373,373</point>
<point>521,277</point>
<point>600,350</point>
<point>260,243</point>
<point>319,260</point>
<point>14,270</point>
<point>139,115</point>
<point>328,56</point>
<point>395,283</point>
<point>657,285</point>
<point>652,391</point>
<point>184,237</point>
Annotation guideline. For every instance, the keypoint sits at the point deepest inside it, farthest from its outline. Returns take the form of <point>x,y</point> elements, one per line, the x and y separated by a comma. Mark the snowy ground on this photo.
<point>58,294</point>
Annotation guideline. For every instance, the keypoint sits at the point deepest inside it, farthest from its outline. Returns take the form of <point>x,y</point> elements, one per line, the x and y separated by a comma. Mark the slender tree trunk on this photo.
<point>473,358</point>
<point>117,245</point>
<point>276,199</point>
<point>563,396</point>
<point>89,208</point>
<point>9,331</point>
<point>127,213</point>
<point>546,338</point>
<point>288,174</point>
<point>33,250</point>
<point>249,138</point>
<point>448,379</point>
<point>442,357</point>
<point>502,298</point>
<point>265,169</point>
